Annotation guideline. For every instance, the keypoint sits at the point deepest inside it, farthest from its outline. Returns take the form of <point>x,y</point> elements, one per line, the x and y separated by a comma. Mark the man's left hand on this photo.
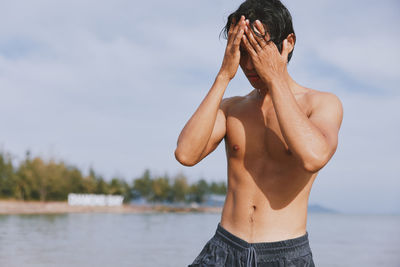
<point>268,62</point>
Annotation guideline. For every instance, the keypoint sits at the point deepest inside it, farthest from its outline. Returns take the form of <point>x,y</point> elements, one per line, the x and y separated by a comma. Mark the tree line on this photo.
<point>37,179</point>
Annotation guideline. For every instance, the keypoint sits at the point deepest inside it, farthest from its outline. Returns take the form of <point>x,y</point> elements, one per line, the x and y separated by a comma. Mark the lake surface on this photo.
<point>171,239</point>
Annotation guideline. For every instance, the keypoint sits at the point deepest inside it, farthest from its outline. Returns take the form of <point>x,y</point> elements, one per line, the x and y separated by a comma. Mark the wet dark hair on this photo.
<point>272,14</point>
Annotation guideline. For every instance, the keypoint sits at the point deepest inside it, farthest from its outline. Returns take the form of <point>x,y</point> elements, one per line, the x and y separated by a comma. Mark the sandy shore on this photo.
<point>37,207</point>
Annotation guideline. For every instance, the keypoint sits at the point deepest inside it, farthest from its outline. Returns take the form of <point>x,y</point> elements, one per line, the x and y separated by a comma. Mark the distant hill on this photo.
<point>320,209</point>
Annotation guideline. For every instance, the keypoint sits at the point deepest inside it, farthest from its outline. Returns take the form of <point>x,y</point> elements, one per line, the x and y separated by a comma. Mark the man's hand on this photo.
<point>268,62</point>
<point>230,64</point>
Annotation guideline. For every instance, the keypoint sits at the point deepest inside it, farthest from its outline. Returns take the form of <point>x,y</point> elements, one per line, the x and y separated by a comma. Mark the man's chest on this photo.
<point>256,134</point>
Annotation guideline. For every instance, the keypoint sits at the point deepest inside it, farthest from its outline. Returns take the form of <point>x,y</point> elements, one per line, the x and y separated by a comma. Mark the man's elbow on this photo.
<point>183,159</point>
<point>316,163</point>
<point>312,167</point>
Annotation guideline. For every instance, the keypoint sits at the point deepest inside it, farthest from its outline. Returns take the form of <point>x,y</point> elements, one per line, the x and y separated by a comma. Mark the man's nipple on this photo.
<point>235,147</point>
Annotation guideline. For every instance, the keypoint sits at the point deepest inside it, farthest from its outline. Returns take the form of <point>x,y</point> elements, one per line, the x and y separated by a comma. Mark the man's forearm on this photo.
<point>197,131</point>
<point>303,138</point>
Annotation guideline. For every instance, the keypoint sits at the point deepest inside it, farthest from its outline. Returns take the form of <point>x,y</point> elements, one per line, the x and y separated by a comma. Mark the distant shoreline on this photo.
<point>9,207</point>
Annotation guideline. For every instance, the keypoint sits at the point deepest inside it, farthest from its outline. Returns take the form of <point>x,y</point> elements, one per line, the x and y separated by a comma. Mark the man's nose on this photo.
<point>249,64</point>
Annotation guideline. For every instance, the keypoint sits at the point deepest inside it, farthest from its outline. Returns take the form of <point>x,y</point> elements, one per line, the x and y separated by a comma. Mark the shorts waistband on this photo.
<point>298,244</point>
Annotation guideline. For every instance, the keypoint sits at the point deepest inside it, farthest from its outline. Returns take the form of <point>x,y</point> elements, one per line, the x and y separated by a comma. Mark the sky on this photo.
<point>110,85</point>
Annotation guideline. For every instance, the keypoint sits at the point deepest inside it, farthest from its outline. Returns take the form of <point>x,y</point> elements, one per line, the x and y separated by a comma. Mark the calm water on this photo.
<point>146,240</point>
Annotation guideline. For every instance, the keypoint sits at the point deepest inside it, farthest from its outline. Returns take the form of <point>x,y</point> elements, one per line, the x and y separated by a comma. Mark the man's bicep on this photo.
<point>218,132</point>
<point>327,116</point>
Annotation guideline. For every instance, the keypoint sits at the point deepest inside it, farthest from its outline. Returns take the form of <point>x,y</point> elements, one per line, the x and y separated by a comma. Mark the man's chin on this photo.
<point>257,84</point>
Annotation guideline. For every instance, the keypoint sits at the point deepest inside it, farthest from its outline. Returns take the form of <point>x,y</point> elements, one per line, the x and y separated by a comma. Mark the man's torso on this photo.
<point>268,188</point>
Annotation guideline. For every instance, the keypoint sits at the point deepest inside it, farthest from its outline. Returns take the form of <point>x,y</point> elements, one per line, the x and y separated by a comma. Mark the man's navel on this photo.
<point>252,211</point>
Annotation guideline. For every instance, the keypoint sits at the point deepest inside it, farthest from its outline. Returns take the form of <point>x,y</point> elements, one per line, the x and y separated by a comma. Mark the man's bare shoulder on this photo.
<point>317,98</point>
<point>228,102</point>
<point>324,102</point>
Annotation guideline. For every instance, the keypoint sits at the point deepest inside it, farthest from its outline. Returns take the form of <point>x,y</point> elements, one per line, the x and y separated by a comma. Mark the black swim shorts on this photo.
<point>226,249</point>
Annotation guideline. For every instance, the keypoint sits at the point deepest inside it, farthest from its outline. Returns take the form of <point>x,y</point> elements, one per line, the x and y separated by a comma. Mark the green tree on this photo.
<point>126,191</point>
<point>30,182</point>
<point>116,187</point>
<point>102,187</point>
<point>90,182</point>
<point>7,177</point>
<point>161,189</point>
<point>180,188</point>
<point>198,191</point>
<point>55,175</point>
<point>36,179</point>
<point>143,186</point>
<point>75,181</point>
<point>218,188</point>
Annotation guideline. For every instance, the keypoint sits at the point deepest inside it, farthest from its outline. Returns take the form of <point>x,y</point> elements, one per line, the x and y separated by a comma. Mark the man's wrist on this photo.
<point>221,77</point>
<point>277,82</point>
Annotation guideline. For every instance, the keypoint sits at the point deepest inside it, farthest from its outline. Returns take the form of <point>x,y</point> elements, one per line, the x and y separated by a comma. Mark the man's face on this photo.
<point>248,68</point>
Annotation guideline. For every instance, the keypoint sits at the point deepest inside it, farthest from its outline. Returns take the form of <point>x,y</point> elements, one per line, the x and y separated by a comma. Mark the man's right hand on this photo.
<point>230,64</point>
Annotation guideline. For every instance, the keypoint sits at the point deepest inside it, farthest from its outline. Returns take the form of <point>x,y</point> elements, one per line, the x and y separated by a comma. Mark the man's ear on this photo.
<point>291,40</point>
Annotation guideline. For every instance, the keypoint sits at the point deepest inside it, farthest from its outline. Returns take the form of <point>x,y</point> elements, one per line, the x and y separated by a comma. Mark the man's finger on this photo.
<point>236,29</point>
<point>251,39</point>
<point>232,25</point>
<point>231,32</point>
<point>248,46</point>
<point>261,29</point>
<point>238,38</point>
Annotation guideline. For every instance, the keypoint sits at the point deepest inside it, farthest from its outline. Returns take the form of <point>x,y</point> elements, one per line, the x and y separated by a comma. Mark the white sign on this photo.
<point>94,200</point>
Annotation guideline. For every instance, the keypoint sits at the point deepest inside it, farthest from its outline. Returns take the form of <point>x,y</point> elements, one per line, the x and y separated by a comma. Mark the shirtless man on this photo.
<point>277,138</point>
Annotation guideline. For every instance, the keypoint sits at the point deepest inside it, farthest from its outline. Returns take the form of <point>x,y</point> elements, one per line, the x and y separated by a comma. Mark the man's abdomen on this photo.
<point>265,211</point>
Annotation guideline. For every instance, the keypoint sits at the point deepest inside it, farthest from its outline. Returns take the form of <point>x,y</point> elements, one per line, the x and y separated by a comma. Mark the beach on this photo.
<point>56,207</point>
